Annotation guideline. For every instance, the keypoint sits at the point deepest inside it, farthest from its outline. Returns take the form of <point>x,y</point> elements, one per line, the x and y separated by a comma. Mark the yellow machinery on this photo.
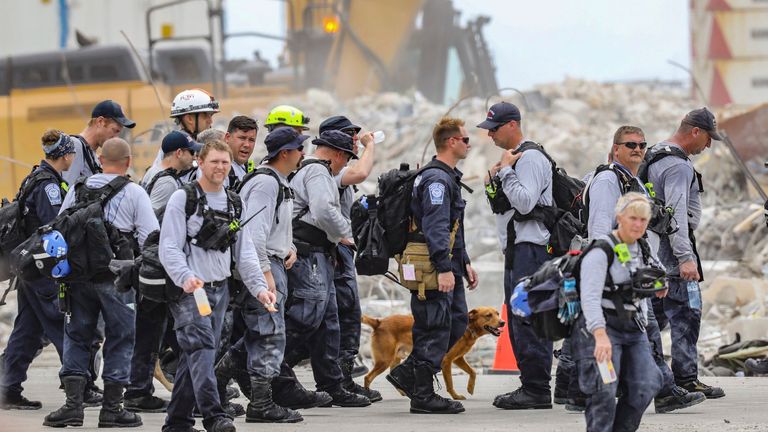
<point>348,47</point>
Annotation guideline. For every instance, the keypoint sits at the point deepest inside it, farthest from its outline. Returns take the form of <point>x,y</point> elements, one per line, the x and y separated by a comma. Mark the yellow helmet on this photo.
<point>287,115</point>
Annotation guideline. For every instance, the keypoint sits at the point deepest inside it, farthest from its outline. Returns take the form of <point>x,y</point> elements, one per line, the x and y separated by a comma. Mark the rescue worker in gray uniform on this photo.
<point>526,180</point>
<point>179,150</point>
<point>131,213</point>
<point>272,233</point>
<point>611,329</point>
<point>311,316</point>
<point>196,257</point>
<point>601,195</point>
<point>345,279</point>
<point>675,180</point>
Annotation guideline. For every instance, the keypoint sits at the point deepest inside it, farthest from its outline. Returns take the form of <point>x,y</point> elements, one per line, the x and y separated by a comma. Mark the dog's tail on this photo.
<point>374,323</point>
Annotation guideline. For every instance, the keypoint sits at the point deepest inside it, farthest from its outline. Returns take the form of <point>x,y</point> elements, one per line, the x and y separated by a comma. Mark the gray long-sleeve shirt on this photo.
<point>268,235</point>
<point>604,191</point>
<point>528,184</point>
<point>129,210</point>
<point>315,188</point>
<point>346,194</point>
<point>182,260</point>
<point>163,189</point>
<point>79,167</point>
<point>675,182</point>
<point>594,268</point>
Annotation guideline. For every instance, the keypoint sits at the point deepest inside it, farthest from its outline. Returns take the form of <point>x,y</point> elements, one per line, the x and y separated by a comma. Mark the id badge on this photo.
<point>409,272</point>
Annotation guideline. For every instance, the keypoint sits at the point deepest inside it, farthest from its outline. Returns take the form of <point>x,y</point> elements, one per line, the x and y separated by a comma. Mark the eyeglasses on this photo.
<point>633,145</point>
<point>496,129</point>
<point>463,138</point>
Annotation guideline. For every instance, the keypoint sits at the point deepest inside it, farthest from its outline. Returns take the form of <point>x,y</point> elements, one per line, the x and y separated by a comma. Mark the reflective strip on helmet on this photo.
<point>148,281</point>
<point>213,105</point>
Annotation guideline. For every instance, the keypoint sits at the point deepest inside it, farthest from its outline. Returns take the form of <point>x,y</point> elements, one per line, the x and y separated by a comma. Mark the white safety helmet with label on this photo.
<point>193,101</point>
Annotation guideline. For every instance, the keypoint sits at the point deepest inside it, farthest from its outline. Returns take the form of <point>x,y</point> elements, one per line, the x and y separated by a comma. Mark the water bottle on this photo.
<point>694,295</point>
<point>201,298</point>
<point>364,201</point>
<point>379,137</point>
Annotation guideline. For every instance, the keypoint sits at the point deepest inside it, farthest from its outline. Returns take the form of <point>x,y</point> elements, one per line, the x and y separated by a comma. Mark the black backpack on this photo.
<point>562,219</point>
<point>372,254</point>
<point>282,191</point>
<point>625,185</point>
<point>92,242</point>
<point>14,226</point>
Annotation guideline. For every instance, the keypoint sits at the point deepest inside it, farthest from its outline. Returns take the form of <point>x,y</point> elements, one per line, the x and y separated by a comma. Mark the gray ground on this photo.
<point>743,409</point>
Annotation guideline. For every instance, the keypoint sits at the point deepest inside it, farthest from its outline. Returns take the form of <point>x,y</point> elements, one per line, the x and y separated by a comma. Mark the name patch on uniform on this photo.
<point>436,193</point>
<point>54,194</point>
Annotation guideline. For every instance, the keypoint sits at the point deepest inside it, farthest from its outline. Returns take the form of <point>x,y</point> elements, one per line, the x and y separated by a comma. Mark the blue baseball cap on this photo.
<point>500,114</point>
<point>111,109</point>
<point>283,138</point>
<point>179,140</point>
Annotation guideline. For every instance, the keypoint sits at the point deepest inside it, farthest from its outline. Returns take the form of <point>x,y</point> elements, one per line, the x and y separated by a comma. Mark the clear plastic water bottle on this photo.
<point>379,137</point>
<point>201,298</point>
<point>694,295</point>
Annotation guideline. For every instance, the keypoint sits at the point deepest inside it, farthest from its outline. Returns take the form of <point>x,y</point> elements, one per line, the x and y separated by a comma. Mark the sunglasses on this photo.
<point>463,138</point>
<point>633,145</point>
<point>496,129</point>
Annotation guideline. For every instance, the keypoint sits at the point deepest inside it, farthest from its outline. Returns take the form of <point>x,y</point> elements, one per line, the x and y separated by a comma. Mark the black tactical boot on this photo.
<point>263,409</point>
<point>15,401</point>
<point>147,404</point>
<point>92,395</point>
<point>232,365</point>
<point>291,394</point>
<point>71,413</point>
<point>351,386</point>
<point>523,399</point>
<point>343,398</point>
<point>425,400</point>
<point>358,367</point>
<point>679,398</point>
<point>402,377</point>
<point>223,424</point>
<point>698,386</point>
<point>112,413</point>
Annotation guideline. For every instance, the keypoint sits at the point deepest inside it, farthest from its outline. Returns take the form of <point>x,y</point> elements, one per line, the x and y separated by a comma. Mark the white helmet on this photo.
<point>193,101</point>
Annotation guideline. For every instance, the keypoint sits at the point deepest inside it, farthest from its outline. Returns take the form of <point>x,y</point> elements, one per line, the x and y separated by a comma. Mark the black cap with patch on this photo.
<point>500,114</point>
<point>704,119</point>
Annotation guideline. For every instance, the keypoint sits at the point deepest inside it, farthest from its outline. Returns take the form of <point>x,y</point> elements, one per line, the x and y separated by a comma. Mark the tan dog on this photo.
<point>160,376</point>
<point>391,342</point>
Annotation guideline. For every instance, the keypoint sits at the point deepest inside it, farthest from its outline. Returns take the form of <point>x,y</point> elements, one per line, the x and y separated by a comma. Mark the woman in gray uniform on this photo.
<point>618,272</point>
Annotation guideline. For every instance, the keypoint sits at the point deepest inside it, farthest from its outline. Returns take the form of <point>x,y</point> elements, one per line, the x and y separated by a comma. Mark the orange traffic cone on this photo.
<point>504,361</point>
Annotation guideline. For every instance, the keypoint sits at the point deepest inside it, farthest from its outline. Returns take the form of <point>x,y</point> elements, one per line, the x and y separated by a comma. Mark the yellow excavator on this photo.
<point>347,47</point>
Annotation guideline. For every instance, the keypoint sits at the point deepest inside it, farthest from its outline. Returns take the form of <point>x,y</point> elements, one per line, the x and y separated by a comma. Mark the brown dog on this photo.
<point>391,342</point>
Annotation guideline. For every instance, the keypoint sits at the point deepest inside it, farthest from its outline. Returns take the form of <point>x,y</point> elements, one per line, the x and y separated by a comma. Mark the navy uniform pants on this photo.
<point>87,301</point>
<point>198,337</point>
<point>348,300</point>
<point>568,373</point>
<point>312,320</point>
<point>265,332</point>
<point>440,320</point>
<point>533,355</point>
<point>151,322</point>
<point>635,369</point>
<point>683,316</point>
<point>38,317</point>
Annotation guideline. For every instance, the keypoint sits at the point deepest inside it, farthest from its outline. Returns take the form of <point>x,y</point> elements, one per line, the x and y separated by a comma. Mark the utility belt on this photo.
<point>416,271</point>
<point>309,239</point>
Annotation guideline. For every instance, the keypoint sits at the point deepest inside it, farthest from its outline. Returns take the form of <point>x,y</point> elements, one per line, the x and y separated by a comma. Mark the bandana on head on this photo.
<point>62,147</point>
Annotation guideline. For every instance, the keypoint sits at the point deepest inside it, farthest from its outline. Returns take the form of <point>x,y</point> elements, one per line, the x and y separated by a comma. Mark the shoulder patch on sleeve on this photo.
<point>436,193</point>
<point>53,193</point>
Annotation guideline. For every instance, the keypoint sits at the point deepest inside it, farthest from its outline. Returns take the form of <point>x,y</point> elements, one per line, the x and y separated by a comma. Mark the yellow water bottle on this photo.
<point>201,298</point>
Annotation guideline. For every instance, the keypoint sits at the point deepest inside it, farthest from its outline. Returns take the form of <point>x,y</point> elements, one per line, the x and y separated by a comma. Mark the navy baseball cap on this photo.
<point>283,138</point>
<point>338,123</point>
<point>179,140</point>
<point>111,109</point>
<point>338,140</point>
<point>500,114</point>
<point>703,118</point>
